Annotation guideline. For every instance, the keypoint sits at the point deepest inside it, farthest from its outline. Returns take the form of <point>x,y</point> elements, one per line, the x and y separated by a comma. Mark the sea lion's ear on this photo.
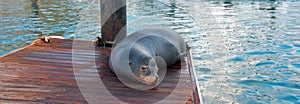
<point>130,63</point>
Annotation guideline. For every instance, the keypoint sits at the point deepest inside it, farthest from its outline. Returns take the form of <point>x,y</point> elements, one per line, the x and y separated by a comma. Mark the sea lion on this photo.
<point>139,57</point>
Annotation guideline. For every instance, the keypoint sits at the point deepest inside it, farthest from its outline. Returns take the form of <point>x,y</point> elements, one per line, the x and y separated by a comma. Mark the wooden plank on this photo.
<point>44,73</point>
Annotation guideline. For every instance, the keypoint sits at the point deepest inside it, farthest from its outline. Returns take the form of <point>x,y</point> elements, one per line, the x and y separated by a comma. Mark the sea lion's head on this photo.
<point>144,68</point>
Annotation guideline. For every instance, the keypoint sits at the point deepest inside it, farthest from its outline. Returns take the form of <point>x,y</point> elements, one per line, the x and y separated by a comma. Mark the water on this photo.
<point>244,51</point>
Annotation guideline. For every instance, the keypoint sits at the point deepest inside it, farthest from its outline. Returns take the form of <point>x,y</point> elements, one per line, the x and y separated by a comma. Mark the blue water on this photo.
<point>244,51</point>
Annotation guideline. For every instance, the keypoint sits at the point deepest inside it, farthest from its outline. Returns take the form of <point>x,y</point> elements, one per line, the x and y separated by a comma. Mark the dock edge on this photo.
<point>197,94</point>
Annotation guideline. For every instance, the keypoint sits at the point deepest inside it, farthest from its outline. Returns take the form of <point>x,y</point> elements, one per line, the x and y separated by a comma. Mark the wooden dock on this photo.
<point>44,73</point>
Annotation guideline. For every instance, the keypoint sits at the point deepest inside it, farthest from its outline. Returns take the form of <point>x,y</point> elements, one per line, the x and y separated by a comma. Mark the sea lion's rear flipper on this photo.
<point>183,54</point>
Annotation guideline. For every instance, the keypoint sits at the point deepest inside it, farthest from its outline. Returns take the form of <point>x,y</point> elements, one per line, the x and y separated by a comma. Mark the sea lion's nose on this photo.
<point>151,80</point>
<point>155,81</point>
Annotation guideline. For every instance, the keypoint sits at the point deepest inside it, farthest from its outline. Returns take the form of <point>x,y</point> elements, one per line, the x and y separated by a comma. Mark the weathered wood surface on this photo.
<point>44,73</point>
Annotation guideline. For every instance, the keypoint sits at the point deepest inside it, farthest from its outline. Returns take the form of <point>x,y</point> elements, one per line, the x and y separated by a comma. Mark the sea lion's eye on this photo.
<point>144,68</point>
<point>130,63</point>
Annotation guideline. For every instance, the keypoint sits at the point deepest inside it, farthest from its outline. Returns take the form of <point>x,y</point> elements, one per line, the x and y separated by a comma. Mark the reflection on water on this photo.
<point>23,21</point>
<point>244,51</point>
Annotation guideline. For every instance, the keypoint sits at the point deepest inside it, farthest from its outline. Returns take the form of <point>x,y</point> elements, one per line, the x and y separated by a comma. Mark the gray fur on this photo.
<point>140,47</point>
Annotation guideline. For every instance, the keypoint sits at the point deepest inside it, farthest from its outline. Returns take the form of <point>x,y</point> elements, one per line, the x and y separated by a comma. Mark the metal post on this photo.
<point>113,19</point>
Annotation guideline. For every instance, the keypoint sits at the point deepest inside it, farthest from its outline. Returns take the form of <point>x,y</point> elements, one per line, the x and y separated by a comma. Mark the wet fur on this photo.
<point>143,45</point>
